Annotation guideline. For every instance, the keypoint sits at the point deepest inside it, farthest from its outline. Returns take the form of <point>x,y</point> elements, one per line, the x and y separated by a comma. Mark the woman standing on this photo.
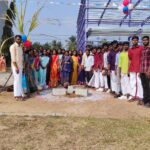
<point>32,82</point>
<point>75,68</point>
<point>44,60</point>
<point>66,68</point>
<point>48,67</point>
<point>81,73</point>
<point>37,68</point>
<point>54,70</point>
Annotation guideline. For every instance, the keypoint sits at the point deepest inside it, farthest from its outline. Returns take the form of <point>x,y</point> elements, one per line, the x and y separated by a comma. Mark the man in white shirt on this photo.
<point>89,62</point>
<point>16,53</point>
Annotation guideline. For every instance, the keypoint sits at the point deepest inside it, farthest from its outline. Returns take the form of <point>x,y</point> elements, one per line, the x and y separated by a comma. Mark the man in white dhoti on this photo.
<point>16,53</point>
<point>124,66</point>
<point>135,53</point>
<point>89,62</point>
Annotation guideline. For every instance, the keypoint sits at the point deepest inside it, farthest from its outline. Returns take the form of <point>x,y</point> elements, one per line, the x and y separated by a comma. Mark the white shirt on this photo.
<point>105,57</point>
<point>16,53</point>
<point>89,62</point>
<point>117,59</point>
<point>83,59</point>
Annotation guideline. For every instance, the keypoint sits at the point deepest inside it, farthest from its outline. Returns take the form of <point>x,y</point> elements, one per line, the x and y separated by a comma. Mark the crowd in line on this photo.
<point>119,68</point>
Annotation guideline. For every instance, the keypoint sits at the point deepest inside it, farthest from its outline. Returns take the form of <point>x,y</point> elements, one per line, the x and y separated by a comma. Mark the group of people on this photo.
<point>116,68</point>
<point>2,63</point>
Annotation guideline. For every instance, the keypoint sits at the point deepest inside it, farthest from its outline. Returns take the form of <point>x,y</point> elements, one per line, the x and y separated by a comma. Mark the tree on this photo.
<point>19,22</point>
<point>46,45</point>
<point>36,45</point>
<point>8,31</point>
<point>71,43</point>
<point>56,45</point>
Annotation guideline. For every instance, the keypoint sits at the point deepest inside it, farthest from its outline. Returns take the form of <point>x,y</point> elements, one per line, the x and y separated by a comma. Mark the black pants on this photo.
<point>88,75</point>
<point>108,81</point>
<point>146,88</point>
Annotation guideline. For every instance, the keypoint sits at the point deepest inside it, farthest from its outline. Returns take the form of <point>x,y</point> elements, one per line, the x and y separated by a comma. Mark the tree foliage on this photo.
<point>48,45</point>
<point>8,30</point>
<point>72,43</point>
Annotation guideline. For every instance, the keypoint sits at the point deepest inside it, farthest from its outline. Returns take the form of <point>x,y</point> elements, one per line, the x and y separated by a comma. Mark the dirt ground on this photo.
<point>105,124</point>
<point>73,133</point>
<point>106,108</point>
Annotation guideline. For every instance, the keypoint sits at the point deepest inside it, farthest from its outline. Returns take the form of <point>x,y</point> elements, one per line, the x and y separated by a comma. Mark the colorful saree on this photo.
<point>66,69</point>
<point>54,77</point>
<point>37,69</point>
<point>44,60</point>
<point>75,70</point>
<point>81,73</point>
<point>31,75</point>
<point>2,64</point>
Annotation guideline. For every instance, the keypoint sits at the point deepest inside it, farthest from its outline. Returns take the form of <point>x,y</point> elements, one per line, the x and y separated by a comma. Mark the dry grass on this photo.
<point>59,133</point>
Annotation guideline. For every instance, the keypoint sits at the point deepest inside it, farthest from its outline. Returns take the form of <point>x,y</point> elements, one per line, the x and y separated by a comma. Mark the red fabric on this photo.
<point>98,61</point>
<point>36,62</point>
<point>135,54</point>
<point>145,59</point>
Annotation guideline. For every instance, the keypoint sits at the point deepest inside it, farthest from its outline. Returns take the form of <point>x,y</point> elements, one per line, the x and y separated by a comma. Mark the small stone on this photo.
<point>70,90</point>
<point>59,92</point>
<point>81,92</point>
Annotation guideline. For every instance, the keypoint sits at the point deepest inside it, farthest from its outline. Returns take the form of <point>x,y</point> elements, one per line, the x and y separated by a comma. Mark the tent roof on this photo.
<point>117,31</point>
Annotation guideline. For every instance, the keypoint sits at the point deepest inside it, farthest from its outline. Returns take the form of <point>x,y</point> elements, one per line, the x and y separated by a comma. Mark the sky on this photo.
<point>57,20</point>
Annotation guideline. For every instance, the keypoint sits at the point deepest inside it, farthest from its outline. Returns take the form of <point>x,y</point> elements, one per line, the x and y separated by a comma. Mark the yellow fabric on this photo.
<point>75,70</point>
<point>54,71</point>
<point>124,62</point>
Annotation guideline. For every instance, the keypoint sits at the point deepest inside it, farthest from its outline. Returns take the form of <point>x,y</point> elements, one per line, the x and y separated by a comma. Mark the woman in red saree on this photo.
<point>54,67</point>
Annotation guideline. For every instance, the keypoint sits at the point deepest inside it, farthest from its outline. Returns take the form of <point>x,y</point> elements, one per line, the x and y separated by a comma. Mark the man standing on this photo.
<point>123,70</point>
<point>89,62</point>
<point>145,70</point>
<point>16,53</point>
<point>135,52</point>
<point>111,68</point>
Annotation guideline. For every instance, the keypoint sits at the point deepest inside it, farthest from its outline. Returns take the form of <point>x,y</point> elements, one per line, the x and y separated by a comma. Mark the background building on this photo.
<point>3,8</point>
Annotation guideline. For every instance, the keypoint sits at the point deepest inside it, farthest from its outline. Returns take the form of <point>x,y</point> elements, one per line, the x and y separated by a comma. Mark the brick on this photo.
<point>59,91</point>
<point>70,89</point>
<point>81,92</point>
